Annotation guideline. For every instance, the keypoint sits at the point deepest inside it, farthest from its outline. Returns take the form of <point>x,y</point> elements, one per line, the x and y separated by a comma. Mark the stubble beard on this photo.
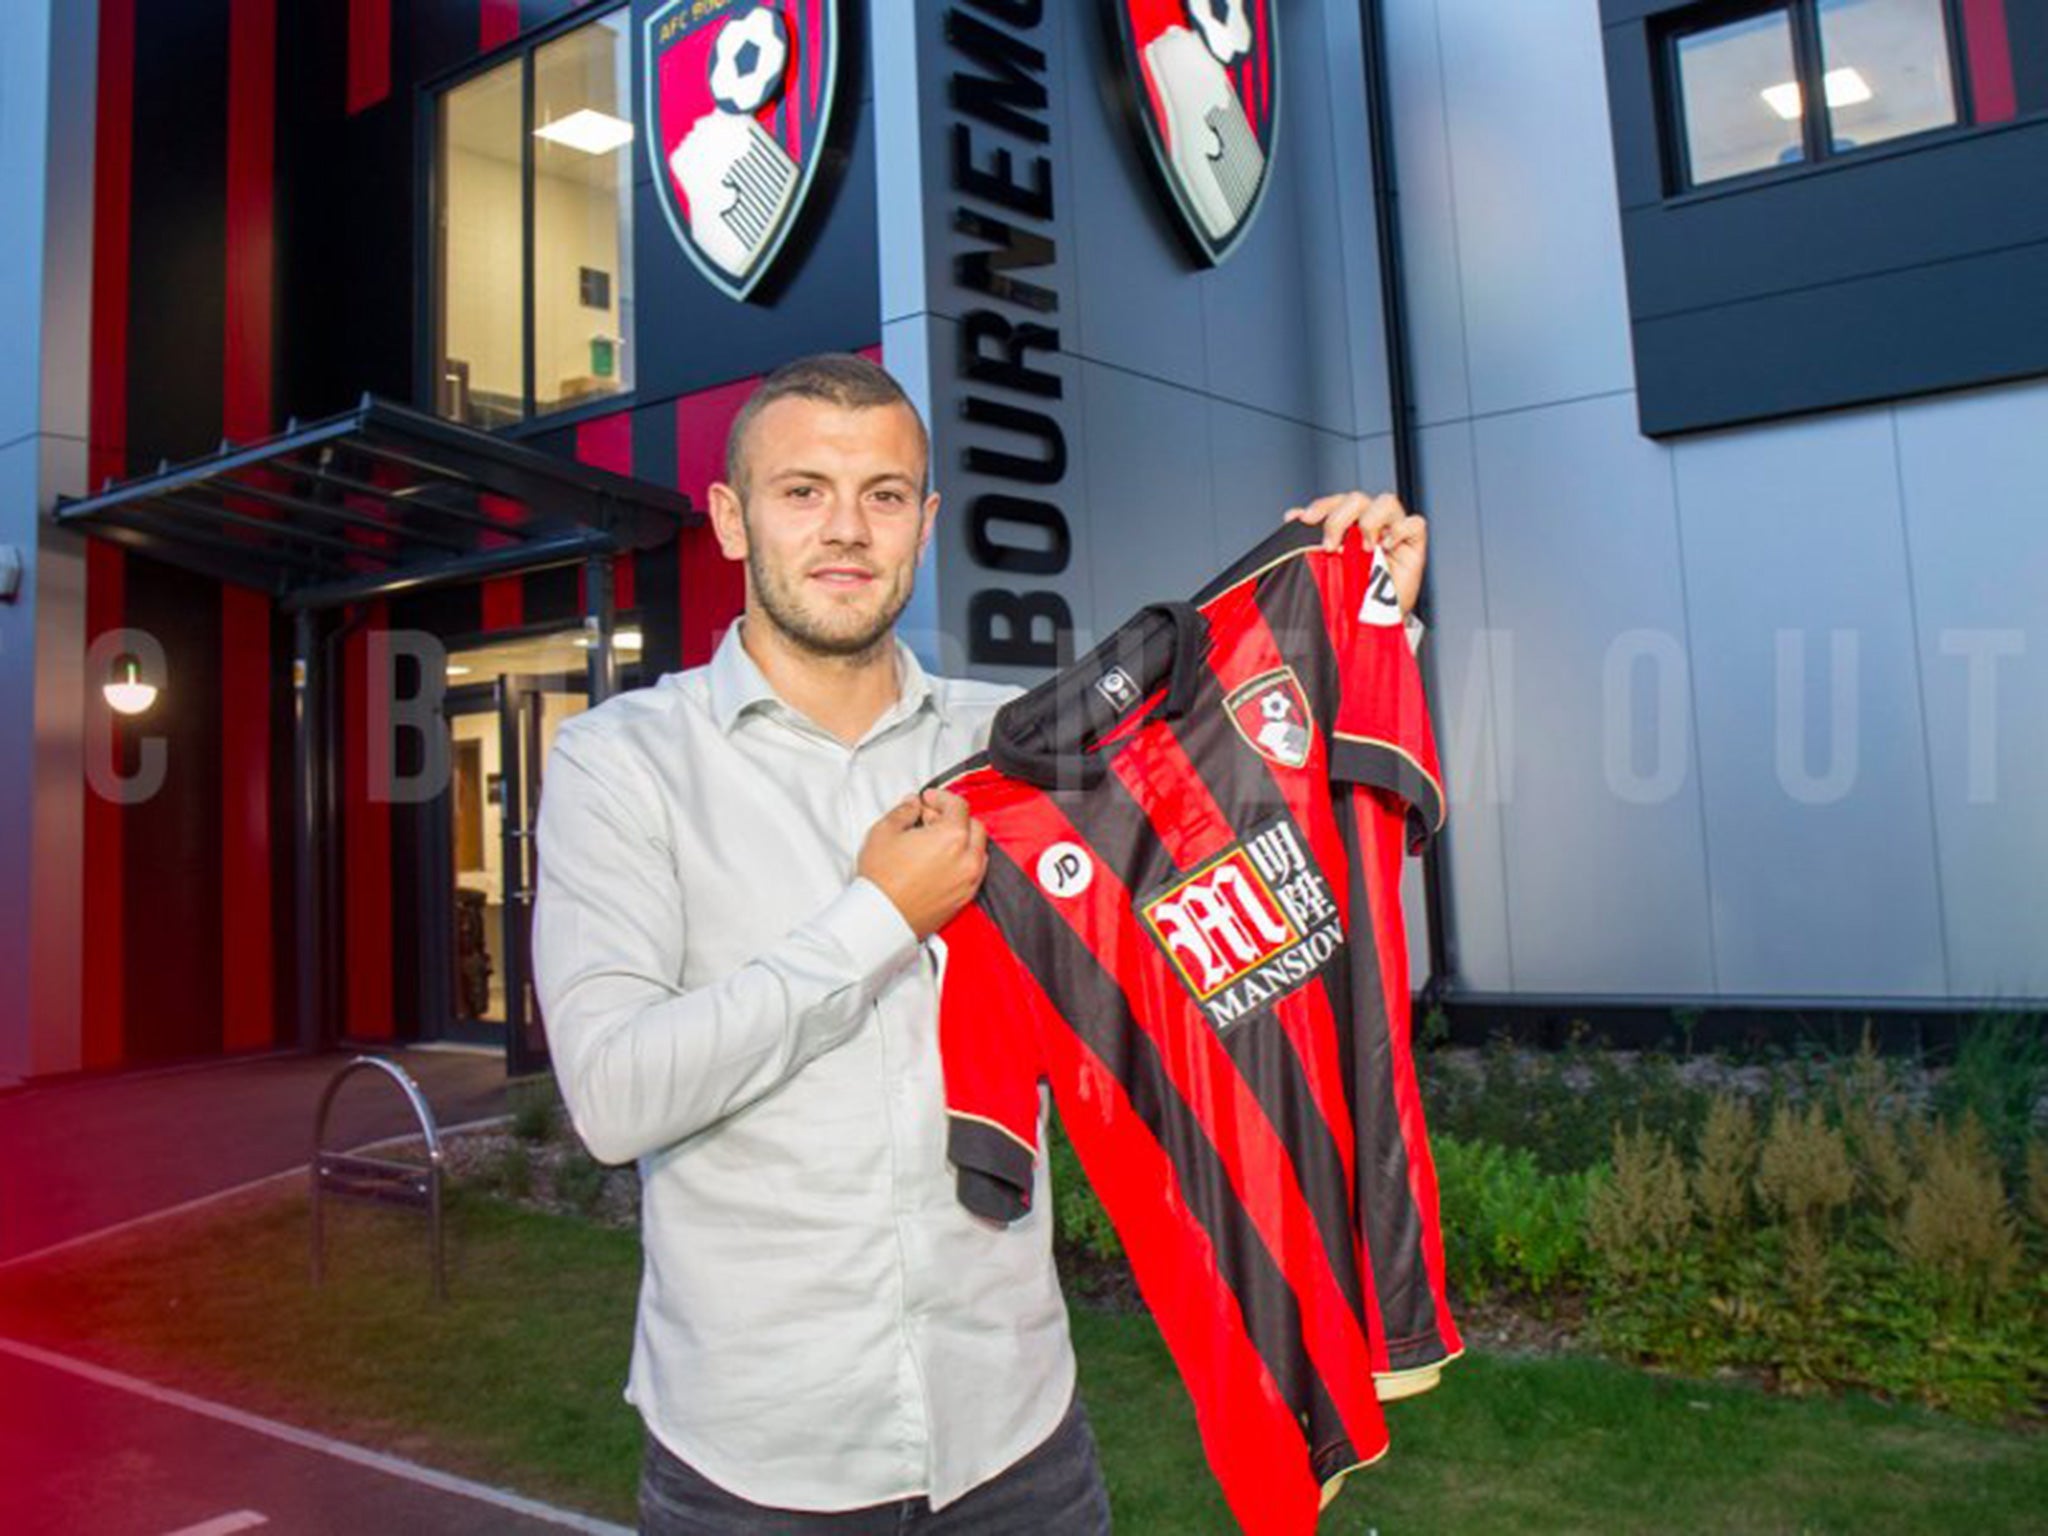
<point>782,605</point>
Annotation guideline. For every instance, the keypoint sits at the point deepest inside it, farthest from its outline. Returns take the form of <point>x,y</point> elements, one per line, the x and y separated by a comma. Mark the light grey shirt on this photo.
<point>822,1324</point>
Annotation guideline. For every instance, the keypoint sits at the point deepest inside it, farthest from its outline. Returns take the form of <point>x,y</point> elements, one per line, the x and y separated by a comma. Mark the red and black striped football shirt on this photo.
<point>1191,929</point>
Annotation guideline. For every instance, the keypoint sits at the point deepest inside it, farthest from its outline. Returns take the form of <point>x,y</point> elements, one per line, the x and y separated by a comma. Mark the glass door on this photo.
<point>503,706</point>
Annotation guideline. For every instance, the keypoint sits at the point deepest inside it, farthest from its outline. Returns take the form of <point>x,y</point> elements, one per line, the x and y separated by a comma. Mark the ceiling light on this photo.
<point>1843,87</point>
<point>593,132</point>
<point>456,669</point>
<point>129,694</point>
<point>628,640</point>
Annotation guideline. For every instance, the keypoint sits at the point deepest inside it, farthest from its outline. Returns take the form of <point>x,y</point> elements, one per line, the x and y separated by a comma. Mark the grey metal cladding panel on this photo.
<point>1819,829</point>
<point>1974,469</point>
<point>1138,301</point>
<point>1365,464</point>
<point>1546,309</point>
<point>24,109</point>
<point>1260,466</point>
<point>1150,512</point>
<point>1277,313</point>
<point>1458,666</point>
<point>1429,222</point>
<point>1880,338</point>
<point>1937,202</point>
<point>1343,63</point>
<point>1606,866</point>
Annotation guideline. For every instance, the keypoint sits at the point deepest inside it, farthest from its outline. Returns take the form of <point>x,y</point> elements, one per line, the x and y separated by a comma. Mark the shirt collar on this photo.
<point>738,685</point>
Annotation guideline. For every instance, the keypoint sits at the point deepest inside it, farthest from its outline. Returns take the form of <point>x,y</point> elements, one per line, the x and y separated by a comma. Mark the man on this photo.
<point>737,876</point>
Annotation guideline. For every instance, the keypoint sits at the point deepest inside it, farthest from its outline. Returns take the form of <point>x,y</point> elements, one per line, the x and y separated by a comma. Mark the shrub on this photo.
<point>1727,1157</point>
<point>1956,1230</point>
<point>2037,1185</point>
<point>511,1174</point>
<point>1562,1106</point>
<point>536,1112</point>
<point>2000,1074</point>
<point>1508,1226</point>
<point>1639,1216</point>
<point>1803,1173</point>
<point>579,1182</point>
<point>1080,1224</point>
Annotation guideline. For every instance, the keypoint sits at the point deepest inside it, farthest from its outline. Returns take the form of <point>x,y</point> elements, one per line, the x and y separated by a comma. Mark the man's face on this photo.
<point>831,523</point>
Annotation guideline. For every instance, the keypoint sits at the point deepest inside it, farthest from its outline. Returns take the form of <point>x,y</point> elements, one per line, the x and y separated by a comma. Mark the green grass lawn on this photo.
<point>516,1381</point>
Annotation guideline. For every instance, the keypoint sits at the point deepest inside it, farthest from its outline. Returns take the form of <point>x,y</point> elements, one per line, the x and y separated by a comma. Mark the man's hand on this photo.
<point>928,856</point>
<point>1380,520</point>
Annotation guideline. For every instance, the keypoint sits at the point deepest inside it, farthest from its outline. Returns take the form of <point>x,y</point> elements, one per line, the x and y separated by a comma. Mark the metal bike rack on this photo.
<point>379,1180</point>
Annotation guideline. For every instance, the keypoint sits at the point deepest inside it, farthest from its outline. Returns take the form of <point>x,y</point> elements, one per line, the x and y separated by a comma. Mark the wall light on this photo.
<point>10,573</point>
<point>128,694</point>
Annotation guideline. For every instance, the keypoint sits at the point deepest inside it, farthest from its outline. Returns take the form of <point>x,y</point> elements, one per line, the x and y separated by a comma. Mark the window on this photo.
<point>1811,80</point>
<point>533,236</point>
<point>1827,203</point>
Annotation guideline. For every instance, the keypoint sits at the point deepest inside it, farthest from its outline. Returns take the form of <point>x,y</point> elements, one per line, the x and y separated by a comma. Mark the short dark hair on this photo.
<point>837,378</point>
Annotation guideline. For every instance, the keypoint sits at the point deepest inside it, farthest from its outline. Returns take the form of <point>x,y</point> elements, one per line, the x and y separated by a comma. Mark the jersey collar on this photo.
<point>1048,736</point>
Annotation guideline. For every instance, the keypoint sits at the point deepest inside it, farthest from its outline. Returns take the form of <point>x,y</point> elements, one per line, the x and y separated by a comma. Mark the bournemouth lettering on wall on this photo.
<point>738,97</point>
<point>1201,81</point>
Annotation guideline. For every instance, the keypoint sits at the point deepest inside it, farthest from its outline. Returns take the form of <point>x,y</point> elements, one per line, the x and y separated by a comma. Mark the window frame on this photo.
<point>426,246</point>
<point>1808,64</point>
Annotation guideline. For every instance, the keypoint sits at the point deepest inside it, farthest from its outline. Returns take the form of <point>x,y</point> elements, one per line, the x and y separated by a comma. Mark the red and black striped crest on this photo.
<point>738,96</point>
<point>1204,85</point>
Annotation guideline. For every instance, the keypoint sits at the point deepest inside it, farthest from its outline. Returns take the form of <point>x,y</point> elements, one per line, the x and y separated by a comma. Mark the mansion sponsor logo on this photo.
<point>738,96</point>
<point>1202,80</point>
<point>1249,926</point>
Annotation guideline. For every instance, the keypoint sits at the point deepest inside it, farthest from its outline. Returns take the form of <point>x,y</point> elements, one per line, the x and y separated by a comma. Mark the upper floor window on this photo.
<point>532,227</point>
<point>1765,87</point>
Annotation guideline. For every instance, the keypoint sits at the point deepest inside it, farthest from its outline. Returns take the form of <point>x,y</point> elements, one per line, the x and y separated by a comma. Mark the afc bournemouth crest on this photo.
<point>738,96</point>
<point>1204,80</point>
<point>1271,714</point>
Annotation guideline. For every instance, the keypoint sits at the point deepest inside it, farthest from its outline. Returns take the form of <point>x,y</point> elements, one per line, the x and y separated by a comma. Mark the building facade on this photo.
<point>1731,427</point>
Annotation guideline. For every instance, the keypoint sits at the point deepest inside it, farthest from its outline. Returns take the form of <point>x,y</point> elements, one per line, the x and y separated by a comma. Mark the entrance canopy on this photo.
<point>376,501</point>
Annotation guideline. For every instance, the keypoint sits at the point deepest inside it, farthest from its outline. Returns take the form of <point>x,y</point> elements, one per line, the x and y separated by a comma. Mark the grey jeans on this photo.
<point>1056,1490</point>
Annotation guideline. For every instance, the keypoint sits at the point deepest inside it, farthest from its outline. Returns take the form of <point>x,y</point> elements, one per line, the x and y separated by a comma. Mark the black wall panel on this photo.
<point>177,296</point>
<point>171,842</point>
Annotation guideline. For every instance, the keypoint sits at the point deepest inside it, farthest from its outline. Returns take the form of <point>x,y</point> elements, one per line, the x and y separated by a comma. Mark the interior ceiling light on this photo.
<point>593,132</point>
<point>456,669</point>
<point>1844,87</point>
<point>128,694</point>
<point>622,640</point>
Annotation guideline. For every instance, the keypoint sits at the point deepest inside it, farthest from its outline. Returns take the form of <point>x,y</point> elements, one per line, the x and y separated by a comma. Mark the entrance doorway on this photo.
<point>503,706</point>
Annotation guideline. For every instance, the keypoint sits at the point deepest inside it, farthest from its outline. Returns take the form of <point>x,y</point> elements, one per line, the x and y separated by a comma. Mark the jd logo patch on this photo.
<point>738,96</point>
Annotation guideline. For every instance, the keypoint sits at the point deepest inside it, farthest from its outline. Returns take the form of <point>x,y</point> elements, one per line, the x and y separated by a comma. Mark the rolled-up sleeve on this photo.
<point>642,1062</point>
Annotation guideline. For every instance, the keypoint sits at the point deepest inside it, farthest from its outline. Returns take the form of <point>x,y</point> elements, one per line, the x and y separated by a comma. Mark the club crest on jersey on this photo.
<point>1250,926</point>
<point>1203,82</point>
<point>738,96</point>
<point>1271,714</point>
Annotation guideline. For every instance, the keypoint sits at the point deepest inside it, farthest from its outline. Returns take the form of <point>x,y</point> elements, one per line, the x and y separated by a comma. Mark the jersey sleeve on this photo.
<point>988,1040</point>
<point>1380,735</point>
